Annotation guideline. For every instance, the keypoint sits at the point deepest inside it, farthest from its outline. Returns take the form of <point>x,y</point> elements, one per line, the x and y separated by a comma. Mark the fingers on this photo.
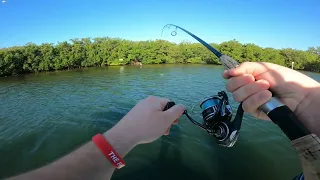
<point>261,115</point>
<point>162,101</point>
<point>254,68</point>
<point>247,90</point>
<point>252,103</point>
<point>236,82</point>
<point>226,74</point>
<point>168,131</point>
<point>174,113</point>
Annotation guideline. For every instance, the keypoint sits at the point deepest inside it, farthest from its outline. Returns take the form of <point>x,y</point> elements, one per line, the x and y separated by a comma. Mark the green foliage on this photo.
<point>232,48</point>
<point>195,60</point>
<point>273,56</point>
<point>87,52</point>
<point>252,52</point>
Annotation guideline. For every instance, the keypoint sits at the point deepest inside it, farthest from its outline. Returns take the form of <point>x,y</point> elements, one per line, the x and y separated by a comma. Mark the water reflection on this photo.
<point>173,141</point>
<point>121,69</point>
<point>168,164</point>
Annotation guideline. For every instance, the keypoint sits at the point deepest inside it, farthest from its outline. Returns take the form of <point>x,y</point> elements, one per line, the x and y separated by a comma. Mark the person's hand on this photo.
<point>249,83</point>
<point>147,121</point>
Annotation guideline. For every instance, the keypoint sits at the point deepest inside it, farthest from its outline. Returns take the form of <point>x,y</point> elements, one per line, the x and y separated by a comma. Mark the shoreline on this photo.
<point>109,66</point>
<point>88,52</point>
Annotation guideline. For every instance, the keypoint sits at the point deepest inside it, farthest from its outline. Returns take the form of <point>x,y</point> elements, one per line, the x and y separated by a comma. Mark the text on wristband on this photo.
<point>115,159</point>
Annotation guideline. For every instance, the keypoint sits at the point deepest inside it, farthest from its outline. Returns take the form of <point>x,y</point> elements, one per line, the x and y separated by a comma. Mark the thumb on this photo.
<point>174,112</point>
<point>254,68</point>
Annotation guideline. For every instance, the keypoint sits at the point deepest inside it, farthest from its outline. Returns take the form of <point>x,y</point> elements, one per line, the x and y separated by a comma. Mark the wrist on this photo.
<point>119,140</point>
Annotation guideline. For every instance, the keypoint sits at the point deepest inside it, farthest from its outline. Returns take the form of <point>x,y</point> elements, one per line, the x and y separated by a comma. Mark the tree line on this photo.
<point>87,52</point>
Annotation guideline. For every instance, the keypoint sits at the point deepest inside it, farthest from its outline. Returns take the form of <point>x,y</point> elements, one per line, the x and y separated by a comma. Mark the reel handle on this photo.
<point>169,105</point>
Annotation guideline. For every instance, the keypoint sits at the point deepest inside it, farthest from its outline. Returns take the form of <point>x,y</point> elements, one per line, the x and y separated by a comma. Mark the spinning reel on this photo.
<point>216,115</point>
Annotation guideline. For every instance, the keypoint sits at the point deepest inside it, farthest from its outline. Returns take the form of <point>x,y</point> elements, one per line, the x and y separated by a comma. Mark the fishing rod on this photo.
<point>217,119</point>
<point>216,116</point>
<point>279,113</point>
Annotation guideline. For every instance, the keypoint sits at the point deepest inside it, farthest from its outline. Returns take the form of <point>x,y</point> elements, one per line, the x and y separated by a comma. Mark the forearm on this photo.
<point>85,163</point>
<point>146,122</point>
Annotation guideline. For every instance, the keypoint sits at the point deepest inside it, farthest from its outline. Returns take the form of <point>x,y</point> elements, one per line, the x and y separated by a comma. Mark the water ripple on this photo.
<point>45,115</point>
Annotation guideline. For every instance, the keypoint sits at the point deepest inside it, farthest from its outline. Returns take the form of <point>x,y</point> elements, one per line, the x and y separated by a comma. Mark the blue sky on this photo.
<point>267,23</point>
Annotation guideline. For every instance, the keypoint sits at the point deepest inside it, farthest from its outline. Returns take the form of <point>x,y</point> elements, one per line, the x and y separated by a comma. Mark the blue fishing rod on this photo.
<point>216,109</point>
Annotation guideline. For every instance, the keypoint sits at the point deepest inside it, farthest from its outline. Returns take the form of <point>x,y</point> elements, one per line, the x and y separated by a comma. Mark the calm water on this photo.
<point>47,115</point>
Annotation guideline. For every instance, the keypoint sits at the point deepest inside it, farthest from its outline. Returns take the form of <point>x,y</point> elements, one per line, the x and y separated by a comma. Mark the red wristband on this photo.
<point>108,151</point>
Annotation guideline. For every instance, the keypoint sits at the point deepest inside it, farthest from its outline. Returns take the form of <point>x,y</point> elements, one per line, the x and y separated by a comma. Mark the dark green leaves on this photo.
<point>87,52</point>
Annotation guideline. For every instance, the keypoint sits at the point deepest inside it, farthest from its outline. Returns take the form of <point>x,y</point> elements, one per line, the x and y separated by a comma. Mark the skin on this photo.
<point>145,123</point>
<point>251,83</point>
